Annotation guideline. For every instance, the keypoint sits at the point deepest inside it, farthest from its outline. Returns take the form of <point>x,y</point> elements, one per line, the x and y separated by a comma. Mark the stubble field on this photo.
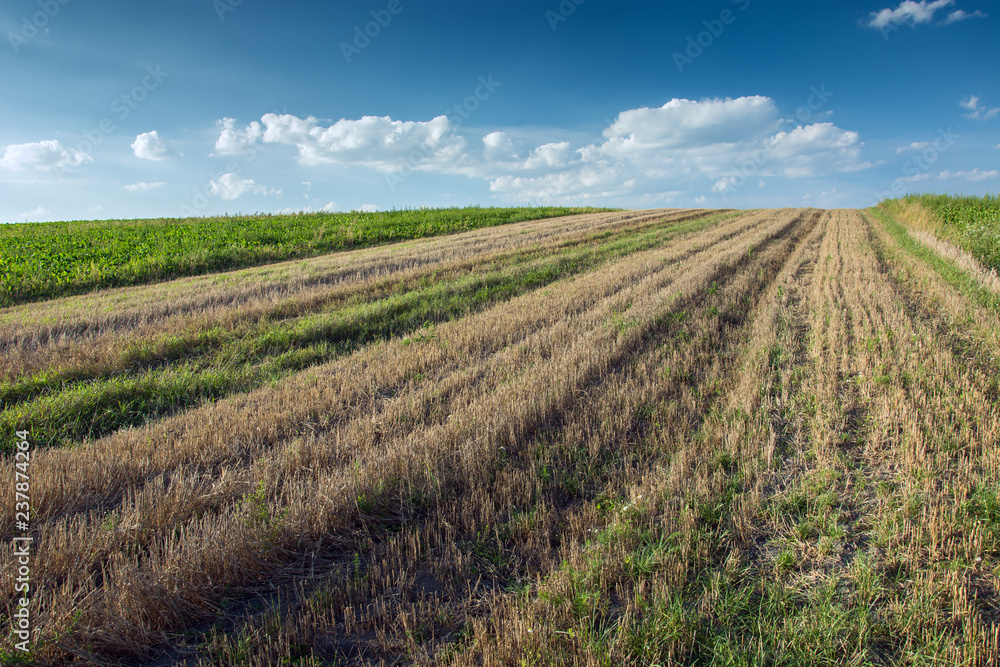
<point>619,438</point>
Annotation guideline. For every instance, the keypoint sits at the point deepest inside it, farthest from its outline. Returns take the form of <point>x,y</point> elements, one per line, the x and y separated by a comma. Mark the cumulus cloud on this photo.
<point>231,186</point>
<point>644,153</point>
<point>976,110</point>
<point>726,141</point>
<point>548,156</point>
<point>142,187</point>
<point>149,146</point>
<point>498,147</point>
<point>974,175</point>
<point>367,208</point>
<point>232,141</point>
<point>915,13</point>
<point>42,156</point>
<point>725,184</point>
<point>961,15</point>
<point>815,149</point>
<point>331,207</point>
<point>580,184</point>
<point>682,123</point>
<point>37,213</point>
<point>375,141</point>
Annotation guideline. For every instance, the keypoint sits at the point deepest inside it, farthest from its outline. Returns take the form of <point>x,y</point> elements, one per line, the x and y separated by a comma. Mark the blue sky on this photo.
<point>123,109</point>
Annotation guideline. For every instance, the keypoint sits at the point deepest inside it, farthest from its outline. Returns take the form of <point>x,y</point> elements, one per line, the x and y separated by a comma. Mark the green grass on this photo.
<point>66,405</point>
<point>971,222</point>
<point>955,276</point>
<point>47,260</point>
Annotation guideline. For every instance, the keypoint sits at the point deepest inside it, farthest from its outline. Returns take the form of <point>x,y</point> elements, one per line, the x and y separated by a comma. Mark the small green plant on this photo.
<point>256,511</point>
<point>786,561</point>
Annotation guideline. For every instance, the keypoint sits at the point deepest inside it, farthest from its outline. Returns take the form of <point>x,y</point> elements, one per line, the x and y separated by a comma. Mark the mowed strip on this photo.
<point>120,310</point>
<point>579,310</point>
<point>126,382</point>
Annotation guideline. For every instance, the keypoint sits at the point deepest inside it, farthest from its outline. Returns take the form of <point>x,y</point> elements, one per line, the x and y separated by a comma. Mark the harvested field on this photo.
<point>624,438</point>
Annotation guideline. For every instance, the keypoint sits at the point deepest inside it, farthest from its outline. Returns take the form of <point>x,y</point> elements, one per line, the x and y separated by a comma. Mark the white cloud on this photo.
<point>376,141</point>
<point>579,184</point>
<point>646,153</point>
<point>367,208</point>
<point>142,187</point>
<point>498,147</point>
<point>913,146</point>
<point>960,15</point>
<point>684,142</point>
<point>700,200</point>
<point>231,186</point>
<point>548,156</point>
<point>42,156</point>
<point>974,175</point>
<point>916,178</point>
<point>914,13</point>
<point>976,110</point>
<point>724,184</point>
<point>232,141</point>
<point>682,123</point>
<point>815,149</point>
<point>332,207</point>
<point>149,146</point>
<point>37,213</point>
<point>681,142</point>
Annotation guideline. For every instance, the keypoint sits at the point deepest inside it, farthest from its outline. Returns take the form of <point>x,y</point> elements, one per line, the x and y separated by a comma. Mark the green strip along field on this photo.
<point>953,274</point>
<point>161,377</point>
<point>46,260</point>
<point>971,222</point>
<point>964,339</point>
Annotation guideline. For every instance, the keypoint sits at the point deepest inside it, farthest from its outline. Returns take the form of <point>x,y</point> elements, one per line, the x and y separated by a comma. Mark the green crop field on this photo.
<point>45,260</point>
<point>972,222</point>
